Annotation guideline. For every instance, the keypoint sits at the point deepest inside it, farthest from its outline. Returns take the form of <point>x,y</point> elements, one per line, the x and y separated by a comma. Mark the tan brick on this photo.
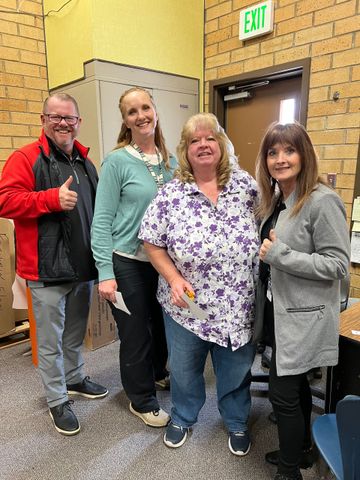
<point>332,45</point>
<point>258,63</point>
<point>314,124</point>
<point>345,181</point>
<point>13,80</point>
<point>211,74</point>
<point>341,151</point>
<point>212,26</point>
<point>34,107</point>
<point>351,57</point>
<point>330,166</point>
<point>31,32</point>
<point>25,118</point>
<point>308,6</point>
<point>354,105</point>
<point>294,24</point>
<point>352,136</point>
<point>328,137</point>
<point>19,142</point>
<point>244,53</point>
<point>41,47</point>
<point>346,89</point>
<point>321,63</point>
<point>218,10</point>
<point>314,34</point>
<point>20,19</point>
<point>343,121</point>
<point>31,7</point>
<point>43,72</point>
<point>36,83</point>
<point>335,12</point>
<point>14,130</point>
<point>218,36</point>
<point>318,94</point>
<point>346,196</point>
<point>283,3</point>
<point>33,58</point>
<point>230,19</point>
<point>5,154</point>
<point>7,53</point>
<point>9,4</point>
<point>12,105</point>
<point>22,94</point>
<point>355,74</point>
<point>349,166</point>
<point>330,77</point>
<point>8,27</point>
<point>22,69</point>
<point>228,45</point>
<point>291,54</point>
<point>2,91</point>
<point>4,117</point>
<point>326,108</point>
<point>235,30</point>
<point>23,43</point>
<point>349,24</point>
<point>211,3</point>
<point>211,50</point>
<point>5,142</point>
<point>277,43</point>
<point>217,60</point>
<point>284,13</point>
<point>231,70</point>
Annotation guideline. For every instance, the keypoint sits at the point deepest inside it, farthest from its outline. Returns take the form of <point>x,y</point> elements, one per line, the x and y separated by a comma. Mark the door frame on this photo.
<point>218,88</point>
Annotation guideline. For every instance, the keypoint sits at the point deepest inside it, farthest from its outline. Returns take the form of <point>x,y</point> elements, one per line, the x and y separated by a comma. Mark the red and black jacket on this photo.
<point>29,194</point>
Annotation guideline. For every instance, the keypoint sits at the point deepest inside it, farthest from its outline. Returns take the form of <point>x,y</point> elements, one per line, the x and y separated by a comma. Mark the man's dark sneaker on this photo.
<point>175,435</point>
<point>64,419</point>
<point>282,476</point>
<point>163,383</point>
<point>239,443</point>
<point>87,389</point>
<point>306,461</point>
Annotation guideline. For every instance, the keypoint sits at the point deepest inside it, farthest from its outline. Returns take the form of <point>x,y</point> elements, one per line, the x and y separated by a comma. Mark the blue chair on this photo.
<point>337,436</point>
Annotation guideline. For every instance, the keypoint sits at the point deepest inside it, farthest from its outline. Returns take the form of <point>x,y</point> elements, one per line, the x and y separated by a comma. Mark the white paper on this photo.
<point>356,227</point>
<point>355,247</point>
<point>120,304</point>
<point>194,309</point>
<point>356,210</point>
<point>355,332</point>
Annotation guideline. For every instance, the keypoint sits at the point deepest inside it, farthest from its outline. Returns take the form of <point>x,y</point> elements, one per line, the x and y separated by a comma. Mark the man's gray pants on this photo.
<point>61,313</point>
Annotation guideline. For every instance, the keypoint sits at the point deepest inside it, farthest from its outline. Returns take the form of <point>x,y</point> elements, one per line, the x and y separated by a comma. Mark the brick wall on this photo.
<point>328,32</point>
<point>23,73</point>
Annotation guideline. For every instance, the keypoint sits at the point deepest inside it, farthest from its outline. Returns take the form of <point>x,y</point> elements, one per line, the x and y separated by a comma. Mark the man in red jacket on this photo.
<point>48,189</point>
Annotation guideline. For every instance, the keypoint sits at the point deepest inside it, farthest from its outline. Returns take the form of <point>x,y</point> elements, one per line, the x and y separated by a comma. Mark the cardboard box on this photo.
<point>101,328</point>
<point>7,317</point>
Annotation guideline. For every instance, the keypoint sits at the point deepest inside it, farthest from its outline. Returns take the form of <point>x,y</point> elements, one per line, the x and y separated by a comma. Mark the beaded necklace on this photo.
<point>159,179</point>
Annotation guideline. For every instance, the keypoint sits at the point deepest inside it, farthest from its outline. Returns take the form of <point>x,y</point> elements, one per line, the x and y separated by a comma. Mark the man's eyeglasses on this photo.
<point>69,119</point>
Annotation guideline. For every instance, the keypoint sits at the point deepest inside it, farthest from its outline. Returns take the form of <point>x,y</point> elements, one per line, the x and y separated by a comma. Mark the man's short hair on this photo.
<point>65,97</point>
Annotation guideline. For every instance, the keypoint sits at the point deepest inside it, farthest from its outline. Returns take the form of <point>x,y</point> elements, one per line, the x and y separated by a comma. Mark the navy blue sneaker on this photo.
<point>239,443</point>
<point>175,435</point>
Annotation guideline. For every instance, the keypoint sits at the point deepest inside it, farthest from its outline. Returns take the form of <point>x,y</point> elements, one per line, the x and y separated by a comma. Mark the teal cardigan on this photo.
<point>124,192</point>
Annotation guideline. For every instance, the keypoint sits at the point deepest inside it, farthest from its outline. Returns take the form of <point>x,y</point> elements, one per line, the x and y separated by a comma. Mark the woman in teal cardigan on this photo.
<point>130,178</point>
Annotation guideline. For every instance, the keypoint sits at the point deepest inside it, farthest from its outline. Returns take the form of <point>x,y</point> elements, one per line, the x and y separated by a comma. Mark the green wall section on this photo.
<point>162,35</point>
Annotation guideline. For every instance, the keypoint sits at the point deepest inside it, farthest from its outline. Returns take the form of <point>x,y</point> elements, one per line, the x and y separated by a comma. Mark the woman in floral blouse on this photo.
<point>201,235</point>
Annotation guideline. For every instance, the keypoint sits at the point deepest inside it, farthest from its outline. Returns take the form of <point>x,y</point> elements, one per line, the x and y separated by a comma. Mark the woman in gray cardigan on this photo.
<point>304,254</point>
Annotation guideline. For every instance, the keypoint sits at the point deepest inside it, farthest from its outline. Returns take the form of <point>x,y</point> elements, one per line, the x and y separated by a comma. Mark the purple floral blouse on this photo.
<point>215,248</point>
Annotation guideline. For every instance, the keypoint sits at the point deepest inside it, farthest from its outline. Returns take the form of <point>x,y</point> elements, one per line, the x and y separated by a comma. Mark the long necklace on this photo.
<point>159,179</point>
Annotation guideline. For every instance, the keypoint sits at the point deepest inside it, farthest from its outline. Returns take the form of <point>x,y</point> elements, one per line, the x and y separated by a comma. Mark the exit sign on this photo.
<point>256,20</point>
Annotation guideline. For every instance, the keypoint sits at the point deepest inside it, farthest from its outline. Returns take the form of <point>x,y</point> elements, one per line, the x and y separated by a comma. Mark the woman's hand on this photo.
<point>267,244</point>
<point>107,289</point>
<point>178,288</point>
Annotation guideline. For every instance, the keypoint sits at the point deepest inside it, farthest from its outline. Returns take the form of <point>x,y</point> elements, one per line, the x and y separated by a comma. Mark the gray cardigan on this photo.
<point>307,260</point>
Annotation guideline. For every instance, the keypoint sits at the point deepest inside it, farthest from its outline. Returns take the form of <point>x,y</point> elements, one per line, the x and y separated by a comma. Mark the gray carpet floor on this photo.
<point>114,444</point>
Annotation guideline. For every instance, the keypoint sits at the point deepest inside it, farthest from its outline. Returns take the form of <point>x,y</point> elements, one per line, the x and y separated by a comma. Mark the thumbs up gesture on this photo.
<point>267,244</point>
<point>68,198</point>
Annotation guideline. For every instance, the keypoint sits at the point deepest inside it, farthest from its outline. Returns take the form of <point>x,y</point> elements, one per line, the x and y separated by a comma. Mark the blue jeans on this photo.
<point>187,357</point>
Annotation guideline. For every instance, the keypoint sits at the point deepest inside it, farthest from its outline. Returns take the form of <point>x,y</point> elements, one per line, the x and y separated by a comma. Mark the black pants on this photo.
<point>291,399</point>
<point>143,352</point>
